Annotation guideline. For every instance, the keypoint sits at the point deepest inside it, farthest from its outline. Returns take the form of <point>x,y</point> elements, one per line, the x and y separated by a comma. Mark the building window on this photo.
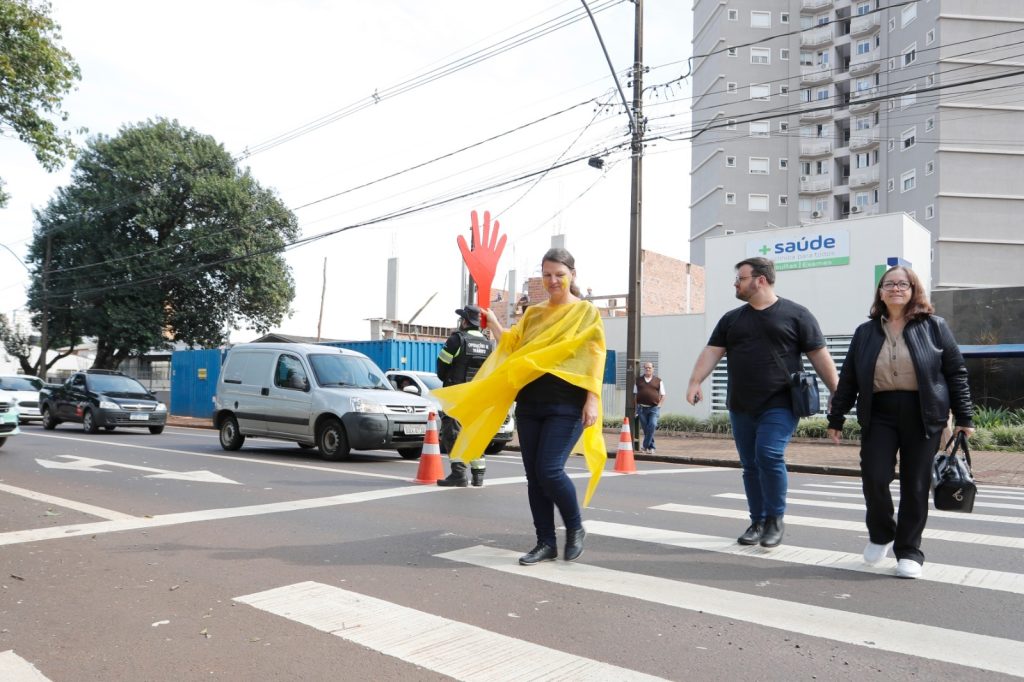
<point>806,59</point>
<point>929,167</point>
<point>759,91</point>
<point>732,52</point>
<point>908,14</point>
<point>909,97</point>
<point>731,88</point>
<point>892,24</point>
<point>783,164</point>
<point>757,202</point>
<point>734,15</point>
<point>760,55</point>
<point>760,19</point>
<point>863,8</point>
<point>783,200</point>
<point>730,124</point>
<point>758,165</point>
<point>783,17</point>
<point>891,185</point>
<point>805,168</point>
<point>908,138</point>
<point>892,64</point>
<point>730,162</point>
<point>784,54</point>
<point>909,56</point>
<point>760,128</point>
<point>929,212</point>
<point>783,126</point>
<point>822,94</point>
<point>929,37</point>
<point>784,90</point>
<point>861,200</point>
<point>891,145</point>
<point>863,46</point>
<point>730,198</point>
<point>908,180</point>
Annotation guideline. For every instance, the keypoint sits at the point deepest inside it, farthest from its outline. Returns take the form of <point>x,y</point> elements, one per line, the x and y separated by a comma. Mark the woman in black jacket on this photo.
<point>905,372</point>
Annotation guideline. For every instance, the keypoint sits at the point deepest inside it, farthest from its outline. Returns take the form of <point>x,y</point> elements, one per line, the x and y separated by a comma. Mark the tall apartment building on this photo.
<point>809,111</point>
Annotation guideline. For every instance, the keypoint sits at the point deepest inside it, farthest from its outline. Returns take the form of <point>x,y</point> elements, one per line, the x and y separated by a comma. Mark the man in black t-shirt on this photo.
<point>760,407</point>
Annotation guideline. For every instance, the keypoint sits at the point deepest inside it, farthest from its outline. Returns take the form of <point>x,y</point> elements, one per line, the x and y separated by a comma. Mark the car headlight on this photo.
<point>107,405</point>
<point>366,406</point>
<point>160,407</point>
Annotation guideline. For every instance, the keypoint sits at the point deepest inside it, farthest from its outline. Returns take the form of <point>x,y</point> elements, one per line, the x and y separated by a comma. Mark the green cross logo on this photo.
<point>764,250</point>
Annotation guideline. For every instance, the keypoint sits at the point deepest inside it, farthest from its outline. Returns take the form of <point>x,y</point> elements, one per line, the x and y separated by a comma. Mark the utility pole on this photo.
<point>633,311</point>
<point>44,326</point>
<point>323,294</point>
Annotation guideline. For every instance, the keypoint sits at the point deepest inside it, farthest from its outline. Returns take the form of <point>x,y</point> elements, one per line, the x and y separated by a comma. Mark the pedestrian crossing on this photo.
<point>426,640</point>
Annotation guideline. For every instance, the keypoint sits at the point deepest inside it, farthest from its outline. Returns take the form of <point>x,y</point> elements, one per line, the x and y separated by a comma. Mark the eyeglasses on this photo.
<point>902,286</point>
<point>740,279</point>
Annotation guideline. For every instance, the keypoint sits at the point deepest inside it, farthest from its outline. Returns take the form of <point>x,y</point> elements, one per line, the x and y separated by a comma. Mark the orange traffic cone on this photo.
<point>431,468</point>
<point>624,463</point>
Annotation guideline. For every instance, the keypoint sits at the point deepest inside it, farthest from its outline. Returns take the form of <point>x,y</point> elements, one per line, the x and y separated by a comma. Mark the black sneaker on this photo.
<point>538,554</point>
<point>574,543</point>
<point>774,529</point>
<point>478,477</point>
<point>752,535</point>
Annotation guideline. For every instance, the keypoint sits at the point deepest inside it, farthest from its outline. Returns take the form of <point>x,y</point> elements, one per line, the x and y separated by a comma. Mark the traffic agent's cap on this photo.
<point>470,313</point>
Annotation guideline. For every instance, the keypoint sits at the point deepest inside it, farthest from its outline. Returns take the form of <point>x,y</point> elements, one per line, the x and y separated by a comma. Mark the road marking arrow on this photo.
<point>88,464</point>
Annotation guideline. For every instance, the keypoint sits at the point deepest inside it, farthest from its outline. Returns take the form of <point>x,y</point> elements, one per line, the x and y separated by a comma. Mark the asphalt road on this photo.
<point>128,556</point>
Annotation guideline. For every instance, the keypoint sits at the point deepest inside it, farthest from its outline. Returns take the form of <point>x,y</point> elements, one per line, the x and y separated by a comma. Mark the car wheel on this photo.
<point>332,441</point>
<point>49,423</point>
<point>89,422</point>
<point>230,437</point>
<point>410,453</point>
<point>307,446</point>
<point>494,448</point>
<point>155,430</point>
<point>109,428</point>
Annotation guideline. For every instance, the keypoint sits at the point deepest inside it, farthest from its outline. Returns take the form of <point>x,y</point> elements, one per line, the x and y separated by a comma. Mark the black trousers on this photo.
<point>896,426</point>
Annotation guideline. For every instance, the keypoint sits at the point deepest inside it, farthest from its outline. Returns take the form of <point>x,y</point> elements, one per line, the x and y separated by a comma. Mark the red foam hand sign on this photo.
<point>482,259</point>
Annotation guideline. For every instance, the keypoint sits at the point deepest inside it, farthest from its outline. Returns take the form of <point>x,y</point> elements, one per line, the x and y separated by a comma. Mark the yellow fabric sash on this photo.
<point>564,340</point>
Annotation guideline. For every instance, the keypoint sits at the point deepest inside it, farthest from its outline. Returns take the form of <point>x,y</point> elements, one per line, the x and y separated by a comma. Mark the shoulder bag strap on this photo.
<point>959,442</point>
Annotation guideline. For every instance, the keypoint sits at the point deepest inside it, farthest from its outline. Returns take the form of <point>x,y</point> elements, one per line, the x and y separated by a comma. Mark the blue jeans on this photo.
<point>648,419</point>
<point>547,433</point>
<point>761,441</point>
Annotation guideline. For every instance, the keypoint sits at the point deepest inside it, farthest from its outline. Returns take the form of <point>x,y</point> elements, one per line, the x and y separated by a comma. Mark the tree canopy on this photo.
<point>159,237</point>
<point>35,74</point>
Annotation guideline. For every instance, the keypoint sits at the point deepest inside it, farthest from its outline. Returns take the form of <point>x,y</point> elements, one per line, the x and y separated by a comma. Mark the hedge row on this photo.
<point>984,438</point>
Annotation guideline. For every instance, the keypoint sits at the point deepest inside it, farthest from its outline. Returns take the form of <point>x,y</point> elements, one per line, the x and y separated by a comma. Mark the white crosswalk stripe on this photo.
<point>972,650</point>
<point>458,650</point>
<point>896,498</point>
<point>982,492</point>
<point>954,575</point>
<point>1016,520</point>
<point>14,668</point>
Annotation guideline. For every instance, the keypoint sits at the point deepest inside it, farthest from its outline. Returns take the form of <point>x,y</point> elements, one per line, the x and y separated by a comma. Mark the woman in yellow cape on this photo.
<point>550,363</point>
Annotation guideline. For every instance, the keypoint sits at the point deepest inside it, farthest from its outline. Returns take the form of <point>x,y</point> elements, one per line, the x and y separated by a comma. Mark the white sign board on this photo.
<point>813,249</point>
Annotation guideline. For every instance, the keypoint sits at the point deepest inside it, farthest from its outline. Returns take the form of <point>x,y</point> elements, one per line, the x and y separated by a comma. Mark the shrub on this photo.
<point>679,422</point>
<point>717,423</point>
<point>1011,437</point>
<point>812,427</point>
<point>981,440</point>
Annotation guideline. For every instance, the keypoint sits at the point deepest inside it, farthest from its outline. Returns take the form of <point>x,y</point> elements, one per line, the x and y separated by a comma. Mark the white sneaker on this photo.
<point>873,553</point>
<point>908,568</point>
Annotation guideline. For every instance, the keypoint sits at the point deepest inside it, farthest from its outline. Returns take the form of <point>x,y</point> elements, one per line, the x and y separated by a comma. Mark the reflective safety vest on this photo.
<point>467,360</point>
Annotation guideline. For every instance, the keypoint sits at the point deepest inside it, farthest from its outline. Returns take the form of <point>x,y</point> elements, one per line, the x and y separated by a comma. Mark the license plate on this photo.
<point>139,417</point>
<point>414,429</point>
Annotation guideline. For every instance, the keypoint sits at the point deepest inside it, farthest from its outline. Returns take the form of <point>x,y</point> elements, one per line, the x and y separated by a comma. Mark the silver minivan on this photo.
<point>331,398</point>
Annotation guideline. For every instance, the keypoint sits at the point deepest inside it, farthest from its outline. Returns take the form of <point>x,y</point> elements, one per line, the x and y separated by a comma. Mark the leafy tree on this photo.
<point>159,237</point>
<point>35,74</point>
<point>20,346</point>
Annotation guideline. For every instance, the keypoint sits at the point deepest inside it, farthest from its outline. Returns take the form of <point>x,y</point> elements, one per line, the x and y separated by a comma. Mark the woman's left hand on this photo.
<point>590,410</point>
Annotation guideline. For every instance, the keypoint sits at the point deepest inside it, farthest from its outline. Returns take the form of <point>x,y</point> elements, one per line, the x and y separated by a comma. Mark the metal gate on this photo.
<point>194,375</point>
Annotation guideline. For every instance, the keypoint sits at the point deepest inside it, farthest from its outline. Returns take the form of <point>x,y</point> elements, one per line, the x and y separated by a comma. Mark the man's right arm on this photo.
<point>706,362</point>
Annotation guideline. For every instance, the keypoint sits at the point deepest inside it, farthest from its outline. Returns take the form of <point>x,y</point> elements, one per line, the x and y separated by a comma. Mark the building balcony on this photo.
<point>814,5</point>
<point>815,75</point>
<point>823,107</point>
<point>815,147</point>
<point>865,62</point>
<point>864,177</point>
<point>814,216</point>
<point>870,209</point>
<point>817,37</point>
<point>815,184</point>
<point>862,25</point>
<point>857,103</point>
<point>863,139</point>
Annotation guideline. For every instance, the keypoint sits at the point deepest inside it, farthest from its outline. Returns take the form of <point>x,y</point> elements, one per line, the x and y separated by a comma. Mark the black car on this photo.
<point>100,398</point>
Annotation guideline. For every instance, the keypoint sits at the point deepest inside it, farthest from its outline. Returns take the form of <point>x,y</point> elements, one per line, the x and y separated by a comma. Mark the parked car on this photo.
<point>24,390</point>
<point>8,419</point>
<point>101,398</point>
<point>331,398</point>
<point>422,383</point>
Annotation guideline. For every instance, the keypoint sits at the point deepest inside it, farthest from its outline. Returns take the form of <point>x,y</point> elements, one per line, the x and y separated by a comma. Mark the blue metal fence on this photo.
<point>194,375</point>
<point>416,356</point>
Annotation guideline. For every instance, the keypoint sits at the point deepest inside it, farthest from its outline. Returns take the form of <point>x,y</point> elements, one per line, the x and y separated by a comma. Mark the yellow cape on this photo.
<point>564,340</point>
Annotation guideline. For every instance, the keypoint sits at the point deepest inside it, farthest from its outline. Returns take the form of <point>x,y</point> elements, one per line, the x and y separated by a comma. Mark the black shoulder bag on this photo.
<point>953,487</point>
<point>803,386</point>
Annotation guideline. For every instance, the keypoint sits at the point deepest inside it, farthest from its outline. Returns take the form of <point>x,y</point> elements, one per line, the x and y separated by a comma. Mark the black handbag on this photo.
<point>953,487</point>
<point>803,388</point>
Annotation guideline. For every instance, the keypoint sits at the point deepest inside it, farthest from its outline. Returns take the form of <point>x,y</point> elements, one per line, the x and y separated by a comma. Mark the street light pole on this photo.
<point>633,303</point>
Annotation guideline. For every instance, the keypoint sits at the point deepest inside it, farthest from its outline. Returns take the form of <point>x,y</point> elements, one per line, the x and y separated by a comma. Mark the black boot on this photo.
<point>457,478</point>
<point>574,543</point>
<point>774,529</point>
<point>541,552</point>
<point>752,535</point>
<point>478,477</point>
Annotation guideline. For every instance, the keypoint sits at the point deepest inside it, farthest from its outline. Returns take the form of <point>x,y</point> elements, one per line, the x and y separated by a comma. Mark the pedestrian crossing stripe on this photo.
<point>832,493</point>
<point>985,492</point>
<point>994,518</point>
<point>925,641</point>
<point>448,647</point>
<point>809,556</point>
<point>836,524</point>
<point>14,668</point>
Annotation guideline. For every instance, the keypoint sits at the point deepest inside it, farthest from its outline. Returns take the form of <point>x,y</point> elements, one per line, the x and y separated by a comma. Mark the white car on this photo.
<point>8,419</point>
<point>422,383</point>
<point>23,391</point>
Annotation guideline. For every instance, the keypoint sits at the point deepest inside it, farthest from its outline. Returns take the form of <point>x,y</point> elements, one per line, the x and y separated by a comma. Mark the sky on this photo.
<point>302,75</point>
